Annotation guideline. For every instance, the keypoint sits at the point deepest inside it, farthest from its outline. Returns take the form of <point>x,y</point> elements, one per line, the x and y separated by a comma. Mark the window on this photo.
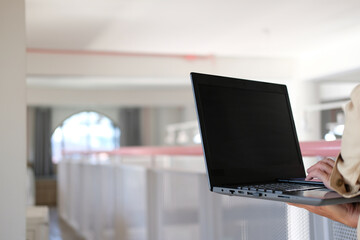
<point>85,131</point>
<point>332,124</point>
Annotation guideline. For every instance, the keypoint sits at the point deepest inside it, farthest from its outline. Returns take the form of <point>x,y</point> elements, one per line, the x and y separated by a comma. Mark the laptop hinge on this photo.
<point>302,180</point>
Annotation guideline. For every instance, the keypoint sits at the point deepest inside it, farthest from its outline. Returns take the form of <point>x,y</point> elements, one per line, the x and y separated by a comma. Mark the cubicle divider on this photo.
<point>163,193</point>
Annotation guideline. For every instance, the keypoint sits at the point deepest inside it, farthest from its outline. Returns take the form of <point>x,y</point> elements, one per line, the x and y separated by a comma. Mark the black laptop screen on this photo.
<point>248,131</point>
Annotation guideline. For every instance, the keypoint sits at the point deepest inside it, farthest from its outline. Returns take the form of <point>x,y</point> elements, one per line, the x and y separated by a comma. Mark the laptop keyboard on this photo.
<point>280,187</point>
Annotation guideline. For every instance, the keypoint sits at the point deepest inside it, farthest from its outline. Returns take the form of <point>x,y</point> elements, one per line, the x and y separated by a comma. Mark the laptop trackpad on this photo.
<point>321,193</point>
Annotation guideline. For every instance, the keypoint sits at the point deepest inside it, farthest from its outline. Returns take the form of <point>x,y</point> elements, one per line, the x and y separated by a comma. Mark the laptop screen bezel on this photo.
<point>220,81</point>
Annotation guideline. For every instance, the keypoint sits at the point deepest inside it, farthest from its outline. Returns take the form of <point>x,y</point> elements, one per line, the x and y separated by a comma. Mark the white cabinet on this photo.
<point>37,223</point>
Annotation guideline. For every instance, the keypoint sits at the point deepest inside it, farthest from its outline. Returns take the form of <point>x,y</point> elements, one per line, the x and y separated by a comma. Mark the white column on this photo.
<point>305,93</point>
<point>13,119</point>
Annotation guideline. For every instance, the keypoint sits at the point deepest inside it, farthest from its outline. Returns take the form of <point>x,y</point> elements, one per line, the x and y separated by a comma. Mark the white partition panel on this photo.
<point>107,203</point>
<point>75,193</point>
<point>246,218</point>
<point>156,199</point>
<point>90,202</point>
<point>211,213</point>
<point>340,231</point>
<point>62,188</point>
<point>131,202</point>
<point>180,205</point>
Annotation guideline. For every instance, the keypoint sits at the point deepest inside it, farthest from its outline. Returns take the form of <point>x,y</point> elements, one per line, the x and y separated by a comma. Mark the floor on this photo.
<point>60,230</point>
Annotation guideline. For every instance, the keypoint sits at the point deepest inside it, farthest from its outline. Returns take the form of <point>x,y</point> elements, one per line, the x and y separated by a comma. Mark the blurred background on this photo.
<point>122,67</point>
<point>105,75</point>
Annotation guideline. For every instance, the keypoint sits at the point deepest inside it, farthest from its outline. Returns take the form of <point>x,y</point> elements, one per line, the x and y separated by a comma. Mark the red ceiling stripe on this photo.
<point>189,57</point>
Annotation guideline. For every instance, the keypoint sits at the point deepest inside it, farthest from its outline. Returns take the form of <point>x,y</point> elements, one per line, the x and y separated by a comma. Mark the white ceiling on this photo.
<point>276,28</point>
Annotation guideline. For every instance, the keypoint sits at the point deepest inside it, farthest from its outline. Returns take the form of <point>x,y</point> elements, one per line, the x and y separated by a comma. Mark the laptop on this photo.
<point>250,144</point>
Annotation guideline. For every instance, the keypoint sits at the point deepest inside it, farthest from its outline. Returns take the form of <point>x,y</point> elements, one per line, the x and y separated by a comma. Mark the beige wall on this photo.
<point>81,80</point>
<point>13,119</point>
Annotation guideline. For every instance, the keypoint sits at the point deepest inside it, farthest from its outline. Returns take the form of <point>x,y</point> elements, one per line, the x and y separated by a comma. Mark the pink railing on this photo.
<point>320,148</point>
<point>308,149</point>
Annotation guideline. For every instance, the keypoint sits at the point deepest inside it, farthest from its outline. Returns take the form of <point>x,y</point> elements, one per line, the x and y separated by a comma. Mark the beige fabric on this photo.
<point>345,177</point>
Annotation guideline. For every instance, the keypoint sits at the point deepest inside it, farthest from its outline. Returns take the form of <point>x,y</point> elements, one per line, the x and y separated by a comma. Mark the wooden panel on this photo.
<point>46,192</point>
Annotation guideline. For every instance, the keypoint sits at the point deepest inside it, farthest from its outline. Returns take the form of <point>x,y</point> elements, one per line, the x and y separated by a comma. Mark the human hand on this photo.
<point>347,214</point>
<point>321,170</point>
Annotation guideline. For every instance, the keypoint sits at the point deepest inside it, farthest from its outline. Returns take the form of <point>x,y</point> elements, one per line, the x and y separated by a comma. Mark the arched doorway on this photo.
<point>85,131</point>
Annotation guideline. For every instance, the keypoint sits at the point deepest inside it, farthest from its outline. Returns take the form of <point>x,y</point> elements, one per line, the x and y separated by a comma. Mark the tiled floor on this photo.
<point>60,230</point>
